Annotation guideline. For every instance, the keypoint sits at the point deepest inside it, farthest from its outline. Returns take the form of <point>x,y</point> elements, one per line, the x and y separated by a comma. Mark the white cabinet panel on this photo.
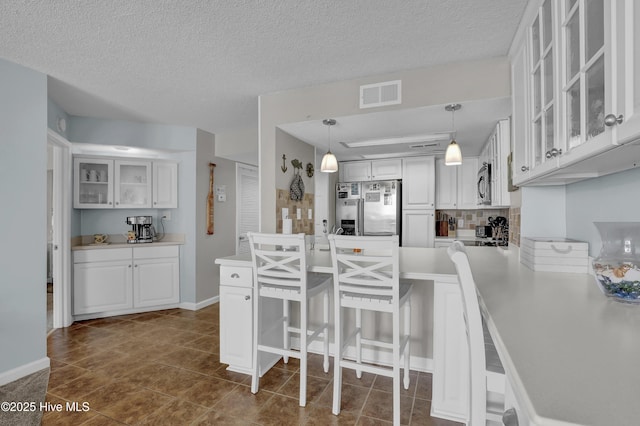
<point>418,183</point>
<point>355,171</point>
<point>386,169</point>
<point>456,185</point>
<point>165,185</point>
<point>446,185</point>
<point>102,286</point>
<point>156,282</point>
<point>359,171</point>
<point>418,228</point>
<point>236,326</point>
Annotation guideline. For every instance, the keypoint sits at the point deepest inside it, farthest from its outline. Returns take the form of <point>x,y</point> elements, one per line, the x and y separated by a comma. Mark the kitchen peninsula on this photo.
<point>568,351</point>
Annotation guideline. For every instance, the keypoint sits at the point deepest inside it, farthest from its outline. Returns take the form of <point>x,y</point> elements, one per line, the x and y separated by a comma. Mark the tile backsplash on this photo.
<point>514,226</point>
<point>283,200</point>
<point>472,218</point>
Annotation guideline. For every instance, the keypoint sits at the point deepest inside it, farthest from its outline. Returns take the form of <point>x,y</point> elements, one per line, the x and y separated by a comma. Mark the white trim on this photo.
<point>24,370</point>
<point>197,306</point>
<point>62,181</point>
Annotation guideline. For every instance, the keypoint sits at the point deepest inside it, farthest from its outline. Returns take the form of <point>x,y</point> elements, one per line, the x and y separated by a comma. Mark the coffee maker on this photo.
<point>142,230</point>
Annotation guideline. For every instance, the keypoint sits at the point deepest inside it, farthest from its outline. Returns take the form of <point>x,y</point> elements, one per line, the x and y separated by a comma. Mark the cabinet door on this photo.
<point>236,326</point>
<point>520,94</point>
<point>593,78</point>
<point>92,183</point>
<point>156,282</point>
<point>356,171</point>
<point>418,228</point>
<point>165,185</point>
<point>386,169</point>
<point>446,185</point>
<point>467,183</point>
<point>102,286</point>
<point>132,184</point>
<point>418,183</point>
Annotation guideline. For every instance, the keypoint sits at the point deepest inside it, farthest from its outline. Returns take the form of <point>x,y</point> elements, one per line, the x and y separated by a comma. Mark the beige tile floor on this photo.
<point>163,368</point>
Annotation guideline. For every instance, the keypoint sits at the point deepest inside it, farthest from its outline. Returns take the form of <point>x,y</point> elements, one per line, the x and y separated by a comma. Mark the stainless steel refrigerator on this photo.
<point>382,208</point>
<point>349,208</point>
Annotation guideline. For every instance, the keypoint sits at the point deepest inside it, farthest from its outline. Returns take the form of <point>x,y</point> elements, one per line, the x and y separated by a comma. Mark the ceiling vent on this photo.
<point>381,94</point>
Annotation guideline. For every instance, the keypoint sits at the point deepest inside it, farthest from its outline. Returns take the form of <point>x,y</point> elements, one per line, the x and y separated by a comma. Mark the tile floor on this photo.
<point>162,368</point>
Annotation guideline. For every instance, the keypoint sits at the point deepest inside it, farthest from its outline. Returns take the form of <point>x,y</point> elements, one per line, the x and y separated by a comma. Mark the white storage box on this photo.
<point>555,254</point>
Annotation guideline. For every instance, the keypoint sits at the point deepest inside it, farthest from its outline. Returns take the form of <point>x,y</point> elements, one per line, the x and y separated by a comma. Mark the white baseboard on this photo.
<point>24,370</point>
<point>197,306</point>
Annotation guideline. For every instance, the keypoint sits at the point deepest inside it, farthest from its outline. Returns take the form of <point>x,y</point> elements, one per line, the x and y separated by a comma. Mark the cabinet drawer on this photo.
<point>155,252</point>
<point>101,255</point>
<point>236,276</point>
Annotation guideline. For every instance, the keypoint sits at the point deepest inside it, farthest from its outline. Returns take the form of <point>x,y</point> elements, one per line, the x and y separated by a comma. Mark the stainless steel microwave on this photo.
<point>484,184</point>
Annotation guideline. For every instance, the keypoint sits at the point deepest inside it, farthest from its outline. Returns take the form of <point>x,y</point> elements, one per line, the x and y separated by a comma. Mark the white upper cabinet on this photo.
<point>132,184</point>
<point>418,183</point>
<point>92,183</point>
<point>165,185</point>
<point>105,183</point>
<point>456,185</point>
<point>358,171</point>
<point>575,92</point>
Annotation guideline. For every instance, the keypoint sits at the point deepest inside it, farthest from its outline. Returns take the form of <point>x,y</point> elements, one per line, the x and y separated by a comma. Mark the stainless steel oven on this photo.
<point>484,184</point>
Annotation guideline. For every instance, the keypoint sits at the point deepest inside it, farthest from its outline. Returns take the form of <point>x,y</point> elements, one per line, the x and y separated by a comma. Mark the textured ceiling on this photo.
<point>203,63</point>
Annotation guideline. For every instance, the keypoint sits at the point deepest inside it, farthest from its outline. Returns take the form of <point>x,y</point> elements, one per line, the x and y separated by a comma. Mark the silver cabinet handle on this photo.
<point>117,203</point>
<point>247,297</point>
<point>110,203</point>
<point>136,266</point>
<point>155,202</point>
<point>524,168</point>
<point>129,266</point>
<point>555,152</point>
<point>547,154</point>
<point>234,275</point>
<point>612,120</point>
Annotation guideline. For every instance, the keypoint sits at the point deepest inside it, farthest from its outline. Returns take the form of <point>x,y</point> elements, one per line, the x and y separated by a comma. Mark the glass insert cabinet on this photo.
<point>106,183</point>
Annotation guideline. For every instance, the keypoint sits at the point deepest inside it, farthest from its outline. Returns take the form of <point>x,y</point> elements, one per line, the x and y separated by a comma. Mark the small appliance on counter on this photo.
<point>484,231</point>
<point>142,230</point>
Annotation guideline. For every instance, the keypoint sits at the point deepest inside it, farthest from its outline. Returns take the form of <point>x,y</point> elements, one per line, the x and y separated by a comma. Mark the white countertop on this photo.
<point>573,350</point>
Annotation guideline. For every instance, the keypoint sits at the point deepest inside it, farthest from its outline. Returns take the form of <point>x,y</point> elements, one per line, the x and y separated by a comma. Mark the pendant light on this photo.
<point>329,161</point>
<point>453,155</point>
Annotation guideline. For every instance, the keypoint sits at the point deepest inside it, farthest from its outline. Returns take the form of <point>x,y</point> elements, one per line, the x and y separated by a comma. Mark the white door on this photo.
<point>60,227</point>
<point>418,228</point>
<point>247,205</point>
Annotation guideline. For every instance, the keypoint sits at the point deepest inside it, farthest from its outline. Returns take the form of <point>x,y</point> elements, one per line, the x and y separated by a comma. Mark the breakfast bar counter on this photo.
<point>569,352</point>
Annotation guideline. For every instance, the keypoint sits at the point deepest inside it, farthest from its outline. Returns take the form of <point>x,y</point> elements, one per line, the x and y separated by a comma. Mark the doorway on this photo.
<point>247,205</point>
<point>58,230</point>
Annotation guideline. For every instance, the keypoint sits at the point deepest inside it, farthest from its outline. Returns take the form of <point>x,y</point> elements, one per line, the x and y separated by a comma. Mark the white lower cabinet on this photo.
<point>123,280</point>
<point>236,321</point>
<point>418,228</point>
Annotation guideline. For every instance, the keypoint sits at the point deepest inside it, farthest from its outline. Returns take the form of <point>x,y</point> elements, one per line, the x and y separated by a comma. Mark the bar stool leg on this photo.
<point>359,341</point>
<point>255,378</point>
<point>396,370</point>
<point>304,321</point>
<point>337,367</point>
<point>285,329</point>
<point>325,364</point>
<point>407,350</point>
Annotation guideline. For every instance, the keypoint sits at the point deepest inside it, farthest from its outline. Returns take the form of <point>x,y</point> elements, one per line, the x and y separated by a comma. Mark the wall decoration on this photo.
<point>210,201</point>
<point>284,164</point>
<point>296,190</point>
<point>309,170</point>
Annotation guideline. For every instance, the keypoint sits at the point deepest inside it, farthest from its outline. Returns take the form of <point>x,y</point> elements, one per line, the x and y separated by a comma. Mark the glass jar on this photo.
<point>617,266</point>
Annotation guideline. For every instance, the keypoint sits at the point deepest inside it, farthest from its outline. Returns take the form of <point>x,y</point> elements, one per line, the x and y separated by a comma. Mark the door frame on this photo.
<point>240,167</point>
<point>61,243</point>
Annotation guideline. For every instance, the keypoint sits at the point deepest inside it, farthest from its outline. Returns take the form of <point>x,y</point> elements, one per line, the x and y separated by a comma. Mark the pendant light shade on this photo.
<point>329,161</point>
<point>453,155</point>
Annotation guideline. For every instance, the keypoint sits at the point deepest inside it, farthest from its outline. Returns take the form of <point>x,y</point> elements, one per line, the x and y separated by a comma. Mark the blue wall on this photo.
<point>612,198</point>
<point>23,191</point>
